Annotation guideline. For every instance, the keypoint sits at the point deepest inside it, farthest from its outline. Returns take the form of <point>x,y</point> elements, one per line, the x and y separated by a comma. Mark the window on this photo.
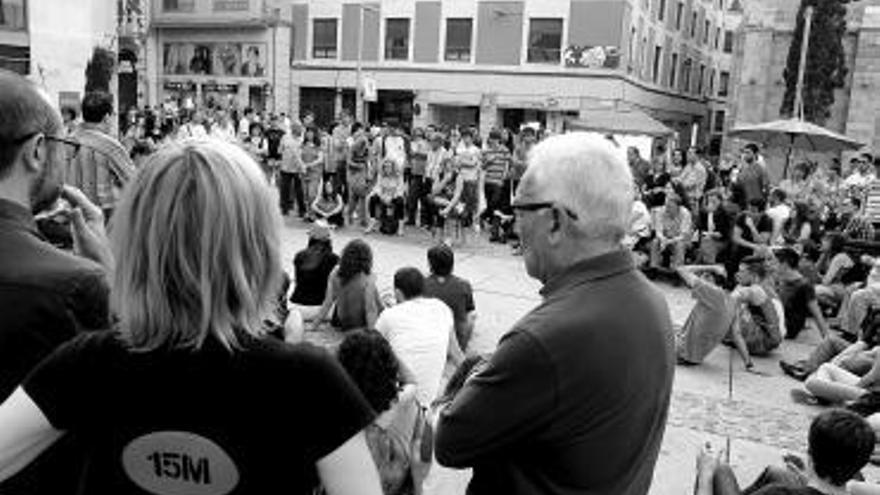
<point>712,82</point>
<point>12,14</point>
<point>717,37</point>
<point>178,5</point>
<point>707,28</point>
<point>396,39</point>
<point>658,56</point>
<point>661,13</point>
<point>458,39</point>
<point>686,76</point>
<point>324,38</point>
<point>700,80</point>
<point>632,49</point>
<point>643,58</point>
<point>694,25</point>
<point>673,68</point>
<point>723,83</point>
<point>728,41</point>
<point>545,41</point>
<point>222,5</point>
<point>679,13</point>
<point>719,121</point>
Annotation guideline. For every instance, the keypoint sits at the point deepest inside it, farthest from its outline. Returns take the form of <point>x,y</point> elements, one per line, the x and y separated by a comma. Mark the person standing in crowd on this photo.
<point>337,159</point>
<point>673,231</point>
<point>47,296</point>
<point>312,156</point>
<point>101,167</point>
<point>752,181</point>
<point>417,191</point>
<point>351,291</point>
<point>223,129</point>
<point>311,271</point>
<point>396,147</point>
<point>420,330</point>
<point>452,290</point>
<point>551,399</point>
<point>358,175</point>
<point>639,167</point>
<point>496,168</point>
<point>274,134</point>
<point>257,146</point>
<point>244,124</point>
<point>69,116</point>
<point>176,357</point>
<point>438,158</point>
<point>520,158</point>
<point>467,162</point>
<point>693,179</point>
<point>290,172</point>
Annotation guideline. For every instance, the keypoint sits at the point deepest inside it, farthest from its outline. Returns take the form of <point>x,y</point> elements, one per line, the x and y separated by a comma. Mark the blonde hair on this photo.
<point>196,241</point>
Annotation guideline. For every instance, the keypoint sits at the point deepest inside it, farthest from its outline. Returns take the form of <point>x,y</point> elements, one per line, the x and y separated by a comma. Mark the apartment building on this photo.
<point>493,63</point>
<point>228,53</point>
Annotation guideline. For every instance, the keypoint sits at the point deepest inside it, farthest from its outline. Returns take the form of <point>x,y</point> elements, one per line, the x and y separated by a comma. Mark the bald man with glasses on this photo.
<point>575,398</point>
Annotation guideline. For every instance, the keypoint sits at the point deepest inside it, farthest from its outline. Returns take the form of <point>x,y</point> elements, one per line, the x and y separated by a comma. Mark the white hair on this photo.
<point>584,173</point>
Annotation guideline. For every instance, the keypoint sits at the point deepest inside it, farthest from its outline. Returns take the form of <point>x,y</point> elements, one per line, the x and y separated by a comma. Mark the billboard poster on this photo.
<point>227,59</point>
<point>254,63</point>
<point>215,59</point>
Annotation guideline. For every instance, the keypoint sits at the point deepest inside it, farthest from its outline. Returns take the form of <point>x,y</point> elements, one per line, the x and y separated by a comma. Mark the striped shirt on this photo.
<point>496,165</point>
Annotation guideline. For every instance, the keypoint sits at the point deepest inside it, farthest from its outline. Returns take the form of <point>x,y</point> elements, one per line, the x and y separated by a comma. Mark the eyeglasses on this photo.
<point>543,205</point>
<point>74,145</point>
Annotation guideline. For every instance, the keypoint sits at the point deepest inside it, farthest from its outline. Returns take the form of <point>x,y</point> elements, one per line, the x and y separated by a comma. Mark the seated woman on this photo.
<point>328,205</point>
<point>311,270</point>
<point>446,195</point>
<point>152,396</point>
<point>352,298</point>
<point>386,200</point>
<point>371,363</point>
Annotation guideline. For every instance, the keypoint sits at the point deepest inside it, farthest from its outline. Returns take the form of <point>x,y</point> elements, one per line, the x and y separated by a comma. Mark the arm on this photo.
<point>872,376</point>
<point>862,488</point>
<point>738,239</point>
<point>689,273</point>
<point>852,350</point>
<point>338,207</point>
<point>371,305</point>
<point>350,470</point>
<point>25,434</point>
<point>329,299</point>
<point>816,313</point>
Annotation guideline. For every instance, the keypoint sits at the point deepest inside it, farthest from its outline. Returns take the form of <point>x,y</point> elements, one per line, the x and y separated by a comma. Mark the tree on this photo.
<point>99,70</point>
<point>826,61</point>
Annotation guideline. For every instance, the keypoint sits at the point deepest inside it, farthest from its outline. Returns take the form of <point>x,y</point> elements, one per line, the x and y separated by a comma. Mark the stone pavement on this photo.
<point>754,412</point>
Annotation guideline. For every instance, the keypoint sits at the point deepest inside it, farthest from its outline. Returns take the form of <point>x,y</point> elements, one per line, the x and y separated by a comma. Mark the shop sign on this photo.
<point>592,57</point>
<point>370,91</point>
<point>220,88</point>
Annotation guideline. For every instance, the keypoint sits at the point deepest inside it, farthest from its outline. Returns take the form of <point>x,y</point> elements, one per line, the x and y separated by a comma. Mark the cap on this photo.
<point>320,230</point>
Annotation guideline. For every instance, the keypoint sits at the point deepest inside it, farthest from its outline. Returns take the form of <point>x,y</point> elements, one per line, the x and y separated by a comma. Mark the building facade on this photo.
<point>51,41</point>
<point>502,63</point>
<point>226,53</point>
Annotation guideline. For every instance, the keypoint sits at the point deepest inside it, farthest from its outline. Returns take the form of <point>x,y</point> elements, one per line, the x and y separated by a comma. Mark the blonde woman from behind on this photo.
<point>176,397</point>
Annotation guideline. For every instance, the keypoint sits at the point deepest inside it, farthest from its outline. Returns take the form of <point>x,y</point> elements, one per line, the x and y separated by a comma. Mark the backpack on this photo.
<point>392,459</point>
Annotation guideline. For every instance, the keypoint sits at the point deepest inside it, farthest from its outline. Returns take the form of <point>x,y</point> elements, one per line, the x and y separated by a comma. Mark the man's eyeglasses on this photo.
<point>72,145</point>
<point>543,205</point>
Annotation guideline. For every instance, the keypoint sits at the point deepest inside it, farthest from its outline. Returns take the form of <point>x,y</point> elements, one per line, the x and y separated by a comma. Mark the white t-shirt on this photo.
<point>779,214</point>
<point>418,331</point>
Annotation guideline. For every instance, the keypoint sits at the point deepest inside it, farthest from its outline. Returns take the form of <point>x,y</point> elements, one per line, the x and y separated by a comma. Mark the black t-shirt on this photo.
<point>455,292</point>
<point>783,489</point>
<point>795,294</point>
<point>763,225</point>
<point>312,267</point>
<point>273,143</point>
<point>252,421</point>
<point>654,181</point>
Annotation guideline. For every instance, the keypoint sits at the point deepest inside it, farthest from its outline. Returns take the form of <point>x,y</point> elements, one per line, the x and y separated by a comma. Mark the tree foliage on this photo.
<point>99,70</point>
<point>826,61</point>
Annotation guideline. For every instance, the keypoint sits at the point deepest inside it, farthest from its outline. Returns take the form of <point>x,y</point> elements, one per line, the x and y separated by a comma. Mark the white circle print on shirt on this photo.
<point>179,463</point>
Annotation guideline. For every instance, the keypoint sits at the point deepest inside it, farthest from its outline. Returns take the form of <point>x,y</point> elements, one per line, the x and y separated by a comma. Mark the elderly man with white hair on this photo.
<point>575,398</point>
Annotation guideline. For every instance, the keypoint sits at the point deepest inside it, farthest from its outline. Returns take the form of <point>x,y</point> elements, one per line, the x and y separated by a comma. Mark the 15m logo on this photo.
<point>179,463</point>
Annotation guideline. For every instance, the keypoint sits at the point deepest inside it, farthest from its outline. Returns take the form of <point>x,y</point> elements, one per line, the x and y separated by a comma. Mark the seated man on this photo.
<point>454,291</point>
<point>840,445</point>
<point>712,317</point>
<point>756,330</point>
<point>386,201</point>
<point>714,225</point>
<point>672,231</point>
<point>419,330</point>
<point>797,294</point>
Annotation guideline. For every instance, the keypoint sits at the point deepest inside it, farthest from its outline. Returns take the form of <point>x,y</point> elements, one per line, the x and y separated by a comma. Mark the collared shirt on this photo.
<point>575,398</point>
<point>101,168</point>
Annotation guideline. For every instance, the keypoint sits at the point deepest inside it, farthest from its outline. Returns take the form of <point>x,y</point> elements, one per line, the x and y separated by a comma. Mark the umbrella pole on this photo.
<point>788,156</point>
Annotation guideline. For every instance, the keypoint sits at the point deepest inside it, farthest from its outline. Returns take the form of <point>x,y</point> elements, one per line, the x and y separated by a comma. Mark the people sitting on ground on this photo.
<point>751,234</point>
<point>841,272</point>
<point>779,212</point>
<point>311,271</point>
<point>861,301</point>
<point>833,384</point>
<point>802,226</point>
<point>638,239</point>
<point>328,205</point>
<point>840,444</point>
<point>857,357</point>
<point>759,317</point>
<point>454,291</point>
<point>386,202</point>
<point>372,364</point>
<point>712,317</point>
<point>421,331</point>
<point>352,300</point>
<point>673,232</point>
<point>797,295</point>
<point>714,226</point>
<point>162,380</point>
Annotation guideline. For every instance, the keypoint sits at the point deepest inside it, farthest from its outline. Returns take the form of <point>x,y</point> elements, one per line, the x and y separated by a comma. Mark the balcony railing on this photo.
<point>231,5</point>
<point>178,5</point>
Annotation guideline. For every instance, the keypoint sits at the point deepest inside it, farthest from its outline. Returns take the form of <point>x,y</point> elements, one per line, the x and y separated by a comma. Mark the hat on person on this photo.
<point>320,231</point>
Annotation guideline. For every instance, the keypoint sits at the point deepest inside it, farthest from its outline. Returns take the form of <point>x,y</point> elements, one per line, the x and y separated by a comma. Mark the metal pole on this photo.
<point>359,91</point>
<point>805,47</point>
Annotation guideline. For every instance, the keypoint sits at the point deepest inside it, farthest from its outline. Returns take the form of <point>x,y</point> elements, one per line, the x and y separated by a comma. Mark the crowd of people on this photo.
<point>151,328</point>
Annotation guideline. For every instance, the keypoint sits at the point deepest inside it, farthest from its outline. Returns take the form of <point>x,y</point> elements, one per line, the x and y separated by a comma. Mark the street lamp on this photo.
<point>359,83</point>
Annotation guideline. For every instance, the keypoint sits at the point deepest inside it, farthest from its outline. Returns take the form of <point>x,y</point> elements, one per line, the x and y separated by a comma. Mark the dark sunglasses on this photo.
<point>543,205</point>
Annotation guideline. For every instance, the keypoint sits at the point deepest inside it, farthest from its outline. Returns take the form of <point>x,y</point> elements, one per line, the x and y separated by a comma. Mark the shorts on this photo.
<point>760,339</point>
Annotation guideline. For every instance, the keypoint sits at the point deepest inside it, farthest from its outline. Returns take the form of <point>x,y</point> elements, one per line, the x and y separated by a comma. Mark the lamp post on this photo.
<point>359,110</point>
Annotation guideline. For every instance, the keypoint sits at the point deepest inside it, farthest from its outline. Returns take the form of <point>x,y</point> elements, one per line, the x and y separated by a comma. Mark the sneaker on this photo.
<point>793,370</point>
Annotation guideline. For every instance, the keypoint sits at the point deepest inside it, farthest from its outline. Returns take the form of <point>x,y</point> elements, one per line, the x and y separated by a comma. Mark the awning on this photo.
<point>619,121</point>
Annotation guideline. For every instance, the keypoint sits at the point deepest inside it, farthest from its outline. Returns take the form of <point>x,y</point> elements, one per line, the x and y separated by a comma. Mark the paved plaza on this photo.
<point>754,413</point>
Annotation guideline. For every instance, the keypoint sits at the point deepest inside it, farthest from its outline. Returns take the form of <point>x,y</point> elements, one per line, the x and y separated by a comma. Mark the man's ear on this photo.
<point>34,153</point>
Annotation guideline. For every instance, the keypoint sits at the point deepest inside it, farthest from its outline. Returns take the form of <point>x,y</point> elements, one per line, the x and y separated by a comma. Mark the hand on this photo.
<point>750,223</point>
<point>708,462</point>
<point>87,226</point>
